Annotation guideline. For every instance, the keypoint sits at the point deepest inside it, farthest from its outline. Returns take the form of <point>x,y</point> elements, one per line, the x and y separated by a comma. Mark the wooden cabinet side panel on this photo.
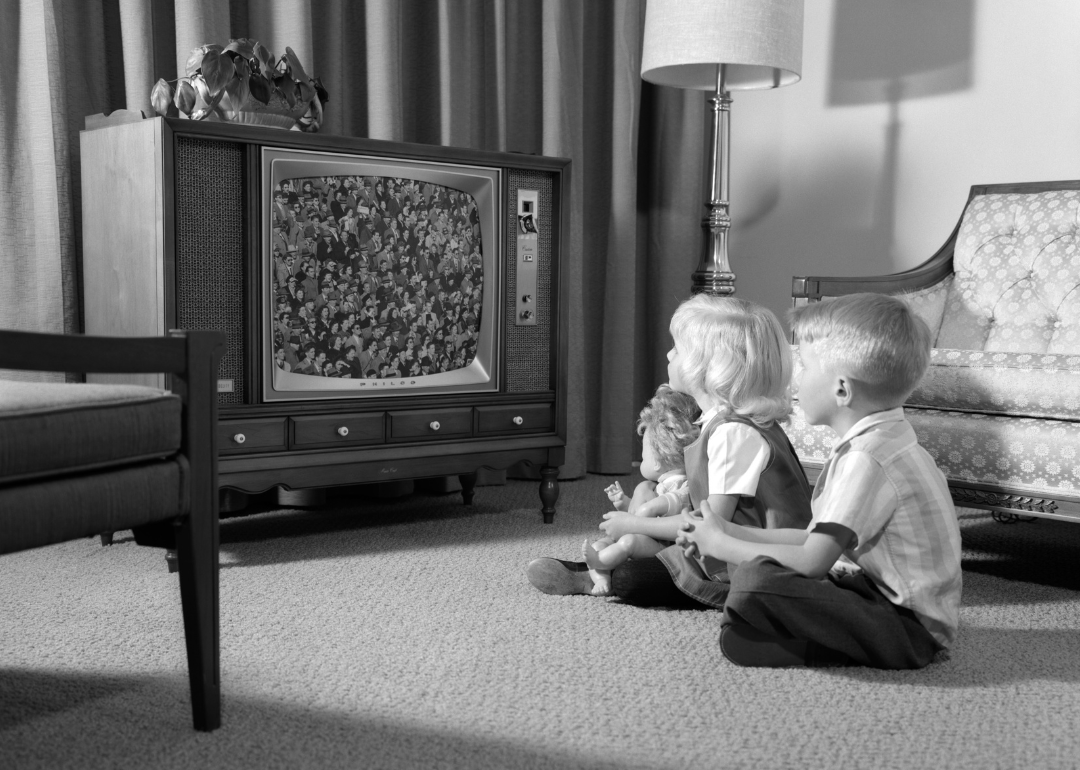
<point>123,235</point>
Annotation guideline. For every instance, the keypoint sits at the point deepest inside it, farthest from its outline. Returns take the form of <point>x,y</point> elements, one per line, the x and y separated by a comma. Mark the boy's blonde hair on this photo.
<point>735,355</point>
<point>874,338</point>
<point>670,416</point>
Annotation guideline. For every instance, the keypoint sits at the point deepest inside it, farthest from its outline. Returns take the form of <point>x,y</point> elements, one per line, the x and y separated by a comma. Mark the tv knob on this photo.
<point>239,438</point>
<point>343,431</point>
<point>526,314</point>
<point>518,420</point>
<point>435,425</point>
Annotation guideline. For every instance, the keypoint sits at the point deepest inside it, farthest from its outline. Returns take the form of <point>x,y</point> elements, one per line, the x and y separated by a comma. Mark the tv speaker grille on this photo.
<point>209,248</point>
<point>528,348</point>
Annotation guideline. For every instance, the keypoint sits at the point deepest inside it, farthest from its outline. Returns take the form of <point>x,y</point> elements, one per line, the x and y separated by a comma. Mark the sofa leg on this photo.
<point>197,554</point>
<point>106,538</point>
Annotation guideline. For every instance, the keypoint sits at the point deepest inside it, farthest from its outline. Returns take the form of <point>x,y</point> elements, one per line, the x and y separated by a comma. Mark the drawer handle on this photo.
<point>239,438</point>
<point>518,420</point>
<point>343,431</point>
<point>435,425</point>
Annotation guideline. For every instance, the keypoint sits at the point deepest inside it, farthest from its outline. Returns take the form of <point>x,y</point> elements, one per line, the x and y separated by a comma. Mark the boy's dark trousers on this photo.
<point>847,615</point>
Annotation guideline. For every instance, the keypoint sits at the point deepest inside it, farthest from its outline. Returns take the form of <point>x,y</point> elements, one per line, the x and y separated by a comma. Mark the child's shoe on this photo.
<point>562,578</point>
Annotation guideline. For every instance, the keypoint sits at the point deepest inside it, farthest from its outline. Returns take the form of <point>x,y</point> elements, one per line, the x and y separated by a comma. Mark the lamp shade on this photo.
<point>759,40</point>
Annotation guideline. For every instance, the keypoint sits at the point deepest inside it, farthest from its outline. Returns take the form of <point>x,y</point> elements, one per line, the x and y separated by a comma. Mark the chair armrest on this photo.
<point>190,356</point>
<point>35,351</point>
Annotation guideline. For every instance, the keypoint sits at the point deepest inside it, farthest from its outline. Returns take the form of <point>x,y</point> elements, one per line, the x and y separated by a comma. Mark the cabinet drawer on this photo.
<point>516,418</point>
<point>431,423</point>
<point>241,436</point>
<point>338,430</point>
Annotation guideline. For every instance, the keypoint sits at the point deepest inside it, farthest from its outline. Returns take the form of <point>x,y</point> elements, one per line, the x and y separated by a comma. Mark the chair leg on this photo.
<point>197,553</point>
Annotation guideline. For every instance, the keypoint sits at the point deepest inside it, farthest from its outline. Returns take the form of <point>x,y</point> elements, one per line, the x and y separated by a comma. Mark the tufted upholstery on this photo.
<point>1016,276</point>
<point>999,408</point>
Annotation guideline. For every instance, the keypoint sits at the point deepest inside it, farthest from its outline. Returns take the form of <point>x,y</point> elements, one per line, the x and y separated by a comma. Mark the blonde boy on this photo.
<point>874,579</point>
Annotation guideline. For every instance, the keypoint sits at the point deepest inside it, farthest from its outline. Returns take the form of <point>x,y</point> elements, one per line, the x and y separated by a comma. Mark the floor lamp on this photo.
<point>721,46</point>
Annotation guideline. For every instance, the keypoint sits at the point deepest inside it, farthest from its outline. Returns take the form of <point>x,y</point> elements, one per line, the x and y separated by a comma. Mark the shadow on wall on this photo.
<point>884,52</point>
<point>881,52</point>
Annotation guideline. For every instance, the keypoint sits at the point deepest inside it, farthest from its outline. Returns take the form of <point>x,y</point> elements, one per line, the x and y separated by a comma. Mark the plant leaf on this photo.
<point>259,87</point>
<point>161,96</point>
<point>266,60</point>
<point>296,69</point>
<point>185,97</point>
<point>307,91</point>
<point>241,47</point>
<point>194,61</point>
<point>237,89</point>
<point>324,97</point>
<point>283,85</point>
<point>217,71</point>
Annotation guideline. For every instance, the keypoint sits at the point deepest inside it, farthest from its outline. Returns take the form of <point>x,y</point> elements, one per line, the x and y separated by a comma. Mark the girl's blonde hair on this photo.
<point>734,355</point>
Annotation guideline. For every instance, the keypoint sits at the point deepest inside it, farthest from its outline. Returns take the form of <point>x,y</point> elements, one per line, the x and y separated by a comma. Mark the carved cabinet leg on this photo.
<point>468,484</point>
<point>549,491</point>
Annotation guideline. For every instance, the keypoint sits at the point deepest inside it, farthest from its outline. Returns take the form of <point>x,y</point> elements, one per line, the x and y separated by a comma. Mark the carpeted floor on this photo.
<point>402,634</point>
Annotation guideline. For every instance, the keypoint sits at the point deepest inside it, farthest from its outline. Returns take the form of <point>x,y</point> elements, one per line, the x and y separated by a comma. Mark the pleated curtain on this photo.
<point>551,77</point>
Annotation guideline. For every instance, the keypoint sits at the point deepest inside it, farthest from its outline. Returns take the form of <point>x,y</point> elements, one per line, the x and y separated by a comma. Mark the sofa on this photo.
<point>999,407</point>
<point>80,460</point>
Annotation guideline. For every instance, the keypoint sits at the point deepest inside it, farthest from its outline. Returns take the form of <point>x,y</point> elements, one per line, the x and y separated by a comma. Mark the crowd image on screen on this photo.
<point>374,277</point>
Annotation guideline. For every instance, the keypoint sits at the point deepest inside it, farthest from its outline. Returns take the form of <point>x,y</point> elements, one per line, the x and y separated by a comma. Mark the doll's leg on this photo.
<point>626,547</point>
<point>601,576</point>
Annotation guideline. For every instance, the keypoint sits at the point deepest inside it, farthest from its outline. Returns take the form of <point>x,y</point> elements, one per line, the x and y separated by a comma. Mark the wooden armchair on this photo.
<point>78,460</point>
<point>999,408</point>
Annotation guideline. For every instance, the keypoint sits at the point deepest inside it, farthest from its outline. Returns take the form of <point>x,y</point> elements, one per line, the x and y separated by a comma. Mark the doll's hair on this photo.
<point>670,417</point>
<point>876,339</point>
<point>734,356</point>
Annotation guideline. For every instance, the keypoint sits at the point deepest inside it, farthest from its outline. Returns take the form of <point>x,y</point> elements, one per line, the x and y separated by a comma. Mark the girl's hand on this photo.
<point>687,532</point>
<point>616,524</point>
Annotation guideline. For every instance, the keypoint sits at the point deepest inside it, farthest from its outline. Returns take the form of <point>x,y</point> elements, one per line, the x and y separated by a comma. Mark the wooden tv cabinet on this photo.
<point>148,184</point>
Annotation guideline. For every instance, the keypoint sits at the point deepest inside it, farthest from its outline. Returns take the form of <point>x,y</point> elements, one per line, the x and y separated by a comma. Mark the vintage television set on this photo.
<point>393,311</point>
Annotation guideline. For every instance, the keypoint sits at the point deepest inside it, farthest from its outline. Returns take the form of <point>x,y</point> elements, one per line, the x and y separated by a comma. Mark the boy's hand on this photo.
<point>617,523</point>
<point>701,535</point>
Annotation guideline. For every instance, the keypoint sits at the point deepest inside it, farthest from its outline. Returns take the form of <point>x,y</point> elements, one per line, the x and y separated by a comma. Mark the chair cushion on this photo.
<point>55,428</point>
<point>1016,282</point>
<point>1035,455</point>
<point>1016,384</point>
<point>34,514</point>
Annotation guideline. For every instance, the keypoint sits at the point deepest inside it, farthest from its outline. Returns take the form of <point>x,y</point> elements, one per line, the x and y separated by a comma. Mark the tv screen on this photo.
<point>380,275</point>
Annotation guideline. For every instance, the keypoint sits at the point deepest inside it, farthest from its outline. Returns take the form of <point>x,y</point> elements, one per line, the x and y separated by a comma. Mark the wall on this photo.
<point>862,167</point>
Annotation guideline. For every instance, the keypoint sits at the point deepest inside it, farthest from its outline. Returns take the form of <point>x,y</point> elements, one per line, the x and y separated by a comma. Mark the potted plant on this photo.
<point>243,83</point>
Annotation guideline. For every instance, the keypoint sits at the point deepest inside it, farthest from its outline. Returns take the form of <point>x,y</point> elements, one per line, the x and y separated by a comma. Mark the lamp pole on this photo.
<point>713,275</point>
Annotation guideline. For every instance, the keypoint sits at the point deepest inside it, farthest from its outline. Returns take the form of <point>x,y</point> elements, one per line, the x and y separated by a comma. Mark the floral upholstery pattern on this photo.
<point>1014,384</point>
<point>1016,275</point>
<point>1035,455</point>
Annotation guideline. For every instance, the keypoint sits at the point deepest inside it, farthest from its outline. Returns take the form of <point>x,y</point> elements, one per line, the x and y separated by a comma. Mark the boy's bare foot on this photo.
<point>558,577</point>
